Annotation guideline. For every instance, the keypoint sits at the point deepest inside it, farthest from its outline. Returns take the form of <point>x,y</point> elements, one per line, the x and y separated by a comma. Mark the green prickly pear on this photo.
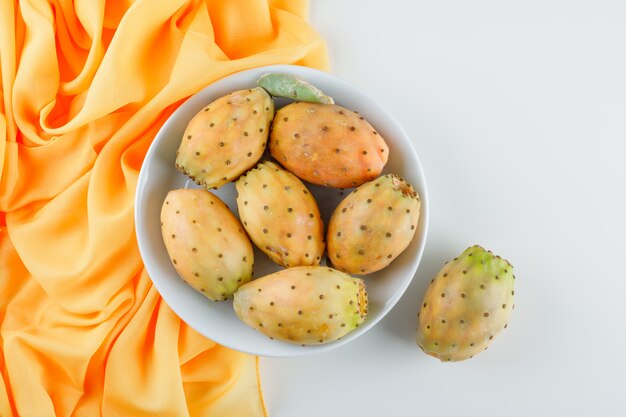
<point>294,87</point>
<point>328,145</point>
<point>226,138</point>
<point>466,305</point>
<point>305,305</point>
<point>373,225</point>
<point>280,215</point>
<point>206,243</point>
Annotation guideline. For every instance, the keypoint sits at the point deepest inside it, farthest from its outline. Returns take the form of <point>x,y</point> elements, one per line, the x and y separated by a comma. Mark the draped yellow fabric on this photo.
<point>85,86</point>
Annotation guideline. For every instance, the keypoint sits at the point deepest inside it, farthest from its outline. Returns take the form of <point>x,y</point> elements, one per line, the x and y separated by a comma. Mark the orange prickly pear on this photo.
<point>373,225</point>
<point>327,144</point>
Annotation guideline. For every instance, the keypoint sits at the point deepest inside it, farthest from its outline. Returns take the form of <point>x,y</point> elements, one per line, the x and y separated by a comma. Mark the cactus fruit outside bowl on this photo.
<point>466,305</point>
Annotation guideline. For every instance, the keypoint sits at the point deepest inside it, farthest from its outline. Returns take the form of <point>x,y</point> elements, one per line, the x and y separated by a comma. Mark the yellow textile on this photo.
<point>85,86</point>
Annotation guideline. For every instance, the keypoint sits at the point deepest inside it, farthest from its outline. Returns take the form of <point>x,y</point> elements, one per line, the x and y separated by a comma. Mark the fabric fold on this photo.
<point>85,87</point>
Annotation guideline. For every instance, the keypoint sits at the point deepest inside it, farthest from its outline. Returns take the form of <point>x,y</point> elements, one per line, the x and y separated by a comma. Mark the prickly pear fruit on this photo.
<point>226,138</point>
<point>306,305</point>
<point>294,87</point>
<point>206,243</point>
<point>373,225</point>
<point>280,215</point>
<point>466,305</point>
<point>326,144</point>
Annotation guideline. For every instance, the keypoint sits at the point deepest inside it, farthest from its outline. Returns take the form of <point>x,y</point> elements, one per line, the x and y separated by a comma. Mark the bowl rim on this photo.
<point>302,71</point>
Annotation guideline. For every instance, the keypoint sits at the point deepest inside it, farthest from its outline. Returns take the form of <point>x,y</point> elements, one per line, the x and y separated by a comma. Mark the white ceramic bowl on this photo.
<point>218,321</point>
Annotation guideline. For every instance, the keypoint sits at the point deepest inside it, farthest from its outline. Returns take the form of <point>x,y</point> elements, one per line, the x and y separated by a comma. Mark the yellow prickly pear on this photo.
<point>305,305</point>
<point>466,305</point>
<point>206,243</point>
<point>280,215</point>
<point>226,138</point>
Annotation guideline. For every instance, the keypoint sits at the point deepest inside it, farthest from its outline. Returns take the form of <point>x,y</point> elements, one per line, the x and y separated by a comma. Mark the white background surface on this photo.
<point>518,113</point>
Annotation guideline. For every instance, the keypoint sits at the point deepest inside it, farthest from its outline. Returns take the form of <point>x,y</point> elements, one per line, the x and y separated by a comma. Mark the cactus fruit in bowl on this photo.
<point>373,225</point>
<point>466,305</point>
<point>348,164</point>
<point>206,243</point>
<point>303,305</point>
<point>293,87</point>
<point>328,145</point>
<point>226,138</point>
<point>280,215</point>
